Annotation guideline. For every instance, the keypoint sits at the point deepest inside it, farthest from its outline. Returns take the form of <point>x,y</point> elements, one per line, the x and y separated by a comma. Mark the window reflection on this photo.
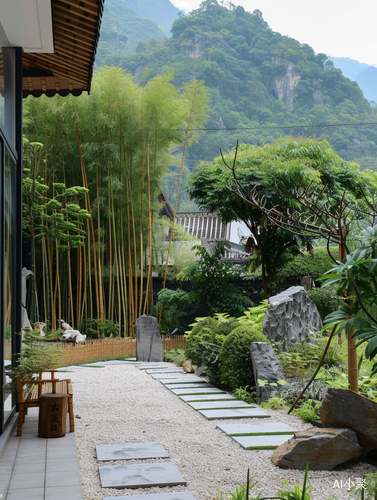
<point>8,227</point>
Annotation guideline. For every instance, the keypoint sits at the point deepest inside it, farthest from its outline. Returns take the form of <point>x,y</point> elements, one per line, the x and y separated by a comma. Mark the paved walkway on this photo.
<point>33,468</point>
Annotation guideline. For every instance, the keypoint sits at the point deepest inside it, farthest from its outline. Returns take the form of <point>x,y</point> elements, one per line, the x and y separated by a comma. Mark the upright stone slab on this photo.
<point>148,339</point>
<point>291,316</point>
<point>266,366</point>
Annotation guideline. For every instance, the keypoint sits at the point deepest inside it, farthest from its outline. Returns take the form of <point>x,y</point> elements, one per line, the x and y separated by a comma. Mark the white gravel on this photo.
<point>122,404</point>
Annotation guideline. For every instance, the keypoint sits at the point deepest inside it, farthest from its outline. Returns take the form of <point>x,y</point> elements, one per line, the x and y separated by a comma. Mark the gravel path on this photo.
<point>122,404</point>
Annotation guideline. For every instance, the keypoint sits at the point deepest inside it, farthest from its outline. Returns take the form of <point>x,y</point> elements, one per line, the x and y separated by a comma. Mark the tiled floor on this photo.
<point>33,468</point>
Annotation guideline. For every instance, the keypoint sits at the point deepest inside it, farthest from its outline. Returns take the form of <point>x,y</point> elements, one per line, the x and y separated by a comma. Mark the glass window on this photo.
<point>2,98</point>
<point>8,236</point>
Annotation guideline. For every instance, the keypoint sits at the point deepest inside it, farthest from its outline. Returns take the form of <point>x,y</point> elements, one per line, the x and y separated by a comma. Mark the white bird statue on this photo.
<point>74,335</point>
<point>66,326</point>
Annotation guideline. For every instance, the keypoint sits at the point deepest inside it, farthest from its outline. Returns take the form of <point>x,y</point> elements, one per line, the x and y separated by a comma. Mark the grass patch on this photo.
<point>264,434</point>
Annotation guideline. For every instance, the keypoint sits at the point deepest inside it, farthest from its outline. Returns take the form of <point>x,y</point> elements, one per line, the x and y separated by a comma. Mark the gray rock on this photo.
<point>343,408</point>
<point>266,366</point>
<point>323,449</point>
<point>148,339</point>
<point>291,316</point>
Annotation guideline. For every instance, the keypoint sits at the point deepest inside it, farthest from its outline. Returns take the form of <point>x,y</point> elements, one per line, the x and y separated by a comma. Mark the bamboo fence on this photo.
<point>111,348</point>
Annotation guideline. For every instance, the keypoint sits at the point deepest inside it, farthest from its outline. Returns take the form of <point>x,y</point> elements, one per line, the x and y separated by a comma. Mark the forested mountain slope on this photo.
<point>263,85</point>
<point>122,29</point>
<point>364,74</point>
<point>162,12</point>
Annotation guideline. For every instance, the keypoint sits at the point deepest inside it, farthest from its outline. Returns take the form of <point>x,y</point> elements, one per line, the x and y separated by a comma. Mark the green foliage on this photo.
<point>326,300</point>
<point>196,346</point>
<point>94,328</point>
<point>254,315</point>
<point>241,59</point>
<point>247,394</point>
<point>175,356</point>
<point>36,356</point>
<point>173,304</point>
<point>314,264</point>
<point>308,411</point>
<point>356,279</point>
<point>367,490</point>
<point>211,276</point>
<point>234,358</point>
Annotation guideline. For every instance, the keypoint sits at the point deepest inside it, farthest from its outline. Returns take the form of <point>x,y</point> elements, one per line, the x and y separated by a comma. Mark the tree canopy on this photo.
<point>287,193</point>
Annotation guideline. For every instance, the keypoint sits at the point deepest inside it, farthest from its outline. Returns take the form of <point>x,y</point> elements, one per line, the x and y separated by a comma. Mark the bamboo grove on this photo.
<point>92,171</point>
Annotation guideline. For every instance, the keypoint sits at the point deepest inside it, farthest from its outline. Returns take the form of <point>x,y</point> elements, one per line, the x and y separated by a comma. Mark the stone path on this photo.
<point>209,401</point>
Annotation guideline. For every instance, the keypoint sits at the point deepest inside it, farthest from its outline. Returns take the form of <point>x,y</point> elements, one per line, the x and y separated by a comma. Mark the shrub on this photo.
<point>235,362</point>
<point>199,340</point>
<point>306,264</point>
<point>325,299</point>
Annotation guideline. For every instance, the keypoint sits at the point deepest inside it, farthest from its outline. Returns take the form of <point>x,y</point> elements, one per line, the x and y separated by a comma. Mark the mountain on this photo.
<point>122,29</point>
<point>162,12</point>
<point>263,85</point>
<point>364,74</point>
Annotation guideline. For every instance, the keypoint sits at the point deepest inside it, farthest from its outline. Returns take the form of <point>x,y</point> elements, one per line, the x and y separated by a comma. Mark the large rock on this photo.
<point>148,339</point>
<point>323,449</point>
<point>291,316</point>
<point>266,366</point>
<point>344,408</point>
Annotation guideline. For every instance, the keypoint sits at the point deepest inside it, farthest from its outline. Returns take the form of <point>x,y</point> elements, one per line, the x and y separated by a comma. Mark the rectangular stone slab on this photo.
<point>148,366</point>
<point>236,413</point>
<point>269,442</point>
<point>140,475</point>
<point>207,397</point>
<point>262,428</point>
<point>185,379</point>
<point>193,385</point>
<point>130,451</point>
<point>178,495</point>
<point>165,370</point>
<point>173,375</point>
<point>213,405</point>
<point>197,390</point>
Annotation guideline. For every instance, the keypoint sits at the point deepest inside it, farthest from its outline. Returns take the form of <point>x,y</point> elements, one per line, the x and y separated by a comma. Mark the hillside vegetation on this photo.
<point>264,85</point>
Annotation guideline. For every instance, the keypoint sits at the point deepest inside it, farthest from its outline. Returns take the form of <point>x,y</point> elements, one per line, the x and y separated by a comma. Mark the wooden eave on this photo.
<point>69,70</point>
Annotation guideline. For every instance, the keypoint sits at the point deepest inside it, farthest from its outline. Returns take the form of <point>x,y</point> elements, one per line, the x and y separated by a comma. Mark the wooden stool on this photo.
<point>52,415</point>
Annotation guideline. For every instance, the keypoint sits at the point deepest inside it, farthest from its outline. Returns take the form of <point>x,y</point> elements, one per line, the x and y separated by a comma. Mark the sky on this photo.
<point>338,28</point>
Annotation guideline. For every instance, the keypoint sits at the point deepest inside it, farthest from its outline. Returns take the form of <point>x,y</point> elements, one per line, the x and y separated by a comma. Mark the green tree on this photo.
<point>287,193</point>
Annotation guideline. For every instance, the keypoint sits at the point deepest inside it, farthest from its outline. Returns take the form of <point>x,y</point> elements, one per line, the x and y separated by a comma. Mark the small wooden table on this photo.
<point>52,415</point>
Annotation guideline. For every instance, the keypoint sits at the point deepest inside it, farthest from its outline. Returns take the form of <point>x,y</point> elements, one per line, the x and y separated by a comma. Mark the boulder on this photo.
<point>323,449</point>
<point>291,316</point>
<point>266,367</point>
<point>148,339</point>
<point>344,408</point>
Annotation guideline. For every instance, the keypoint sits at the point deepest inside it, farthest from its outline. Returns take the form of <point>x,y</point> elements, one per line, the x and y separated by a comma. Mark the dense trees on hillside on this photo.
<point>263,85</point>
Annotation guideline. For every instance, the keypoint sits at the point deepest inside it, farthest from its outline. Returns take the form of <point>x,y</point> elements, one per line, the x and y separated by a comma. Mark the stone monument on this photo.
<point>266,367</point>
<point>291,316</point>
<point>25,317</point>
<point>148,339</point>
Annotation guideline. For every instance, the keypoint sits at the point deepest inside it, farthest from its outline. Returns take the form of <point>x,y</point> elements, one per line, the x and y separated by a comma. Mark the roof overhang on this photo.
<point>60,40</point>
<point>27,24</point>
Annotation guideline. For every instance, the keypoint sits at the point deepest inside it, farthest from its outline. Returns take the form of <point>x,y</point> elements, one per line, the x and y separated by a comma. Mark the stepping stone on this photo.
<point>207,397</point>
<point>111,362</point>
<point>256,429</point>
<point>165,370</point>
<point>267,442</point>
<point>186,379</point>
<point>198,390</point>
<point>151,366</point>
<point>236,413</point>
<point>214,405</point>
<point>140,475</point>
<point>130,451</point>
<point>178,495</point>
<point>70,368</point>
<point>194,385</point>
<point>161,375</point>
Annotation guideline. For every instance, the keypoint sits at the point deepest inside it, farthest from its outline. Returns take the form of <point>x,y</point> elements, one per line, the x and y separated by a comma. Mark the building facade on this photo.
<point>46,47</point>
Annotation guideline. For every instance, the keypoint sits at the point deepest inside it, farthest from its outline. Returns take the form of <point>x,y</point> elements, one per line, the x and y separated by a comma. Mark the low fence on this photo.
<point>111,348</point>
